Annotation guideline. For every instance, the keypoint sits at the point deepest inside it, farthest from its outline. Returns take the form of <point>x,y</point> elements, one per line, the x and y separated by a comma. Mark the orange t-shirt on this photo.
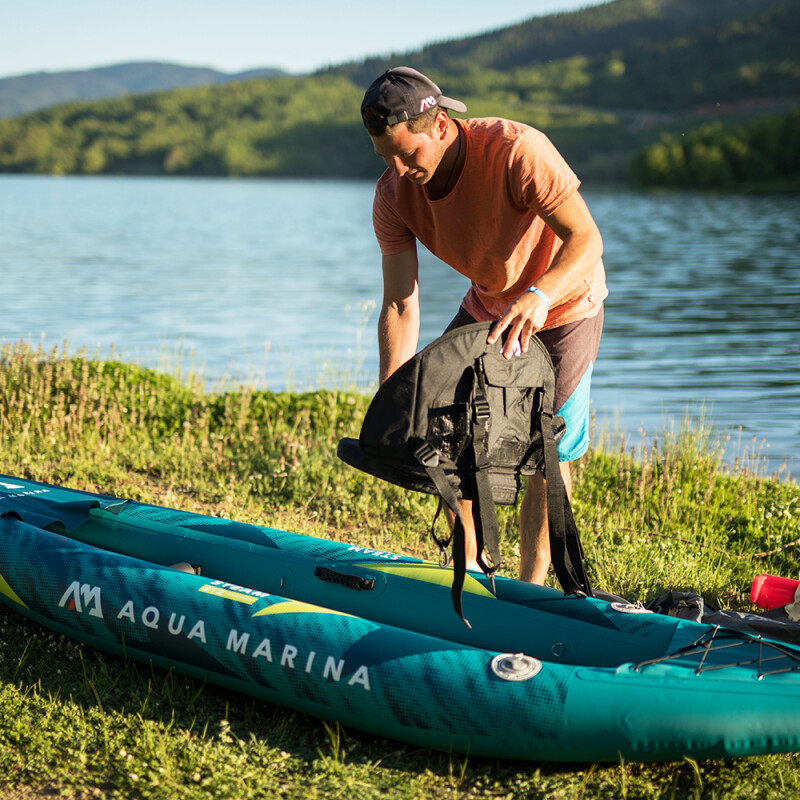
<point>489,226</point>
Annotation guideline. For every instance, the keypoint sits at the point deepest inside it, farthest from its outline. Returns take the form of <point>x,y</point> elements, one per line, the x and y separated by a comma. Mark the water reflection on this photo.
<point>272,282</point>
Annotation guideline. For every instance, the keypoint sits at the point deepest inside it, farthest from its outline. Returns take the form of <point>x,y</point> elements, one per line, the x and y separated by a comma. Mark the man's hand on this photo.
<point>524,317</point>
<point>579,253</point>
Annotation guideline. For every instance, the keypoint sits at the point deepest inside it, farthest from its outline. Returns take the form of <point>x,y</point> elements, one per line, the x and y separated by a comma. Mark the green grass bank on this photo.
<point>77,722</point>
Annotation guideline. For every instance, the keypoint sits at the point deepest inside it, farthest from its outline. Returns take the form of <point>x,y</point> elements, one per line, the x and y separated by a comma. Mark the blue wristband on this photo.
<point>539,293</point>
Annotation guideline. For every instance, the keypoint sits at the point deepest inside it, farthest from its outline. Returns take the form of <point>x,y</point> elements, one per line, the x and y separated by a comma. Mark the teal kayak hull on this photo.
<point>369,638</point>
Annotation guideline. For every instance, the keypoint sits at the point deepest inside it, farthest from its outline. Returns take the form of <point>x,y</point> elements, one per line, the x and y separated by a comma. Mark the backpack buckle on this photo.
<point>427,455</point>
<point>482,408</point>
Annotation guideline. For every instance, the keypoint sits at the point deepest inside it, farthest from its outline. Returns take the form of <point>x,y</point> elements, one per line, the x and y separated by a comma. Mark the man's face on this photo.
<point>414,156</point>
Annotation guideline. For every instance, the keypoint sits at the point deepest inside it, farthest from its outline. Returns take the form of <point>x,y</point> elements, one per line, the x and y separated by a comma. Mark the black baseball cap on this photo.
<point>401,94</point>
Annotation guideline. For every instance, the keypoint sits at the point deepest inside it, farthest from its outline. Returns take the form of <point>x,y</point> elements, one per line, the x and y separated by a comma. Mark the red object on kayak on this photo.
<point>771,591</point>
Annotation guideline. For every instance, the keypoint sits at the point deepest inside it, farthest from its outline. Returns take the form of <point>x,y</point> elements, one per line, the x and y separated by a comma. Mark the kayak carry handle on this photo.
<point>343,579</point>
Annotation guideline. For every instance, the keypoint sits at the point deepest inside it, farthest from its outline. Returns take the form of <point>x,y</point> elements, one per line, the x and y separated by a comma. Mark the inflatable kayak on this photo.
<point>370,639</point>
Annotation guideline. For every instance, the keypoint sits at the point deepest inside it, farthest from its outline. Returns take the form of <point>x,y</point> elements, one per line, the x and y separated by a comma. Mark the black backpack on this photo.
<point>459,420</point>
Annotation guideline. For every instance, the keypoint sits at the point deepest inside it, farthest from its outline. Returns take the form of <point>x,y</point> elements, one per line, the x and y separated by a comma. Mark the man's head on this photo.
<point>405,114</point>
<point>401,95</point>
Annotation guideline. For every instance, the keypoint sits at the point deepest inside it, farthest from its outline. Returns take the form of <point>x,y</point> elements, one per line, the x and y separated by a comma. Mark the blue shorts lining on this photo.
<point>575,412</point>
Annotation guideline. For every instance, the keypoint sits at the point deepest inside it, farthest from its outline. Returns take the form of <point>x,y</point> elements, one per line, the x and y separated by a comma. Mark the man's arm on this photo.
<point>582,248</point>
<point>398,323</point>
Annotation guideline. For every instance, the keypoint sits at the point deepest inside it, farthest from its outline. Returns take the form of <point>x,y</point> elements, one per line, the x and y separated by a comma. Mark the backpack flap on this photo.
<point>425,401</point>
<point>515,389</point>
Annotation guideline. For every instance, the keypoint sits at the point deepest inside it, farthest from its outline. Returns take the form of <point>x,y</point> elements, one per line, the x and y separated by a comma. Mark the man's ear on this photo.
<point>441,124</point>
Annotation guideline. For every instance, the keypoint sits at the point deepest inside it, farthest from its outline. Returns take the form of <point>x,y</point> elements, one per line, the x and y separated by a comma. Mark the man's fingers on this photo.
<point>512,346</point>
<point>520,325</point>
<point>497,331</point>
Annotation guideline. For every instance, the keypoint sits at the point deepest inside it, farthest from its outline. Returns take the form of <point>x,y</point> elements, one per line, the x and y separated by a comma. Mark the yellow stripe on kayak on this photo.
<point>227,594</point>
<point>9,592</point>
<point>430,573</point>
<point>297,607</point>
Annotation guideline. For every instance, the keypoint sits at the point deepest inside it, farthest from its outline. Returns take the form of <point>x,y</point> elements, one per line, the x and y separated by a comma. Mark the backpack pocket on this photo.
<point>514,438</point>
<point>448,431</point>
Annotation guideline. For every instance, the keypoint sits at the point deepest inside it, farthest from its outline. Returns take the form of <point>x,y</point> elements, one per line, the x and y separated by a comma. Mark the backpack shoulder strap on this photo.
<point>566,552</point>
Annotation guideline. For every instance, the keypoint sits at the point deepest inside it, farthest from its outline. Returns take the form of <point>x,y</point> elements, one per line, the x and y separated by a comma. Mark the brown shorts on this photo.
<point>573,351</point>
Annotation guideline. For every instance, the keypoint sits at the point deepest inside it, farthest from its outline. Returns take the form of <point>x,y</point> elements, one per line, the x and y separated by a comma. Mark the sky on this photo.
<point>234,35</point>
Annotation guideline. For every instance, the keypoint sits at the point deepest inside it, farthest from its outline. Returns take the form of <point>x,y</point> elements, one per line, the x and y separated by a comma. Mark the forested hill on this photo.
<point>603,83</point>
<point>23,93</point>
<point>655,55</point>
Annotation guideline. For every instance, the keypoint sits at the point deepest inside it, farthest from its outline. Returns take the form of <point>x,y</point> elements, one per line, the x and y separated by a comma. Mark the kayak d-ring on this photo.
<point>515,666</point>
<point>630,608</point>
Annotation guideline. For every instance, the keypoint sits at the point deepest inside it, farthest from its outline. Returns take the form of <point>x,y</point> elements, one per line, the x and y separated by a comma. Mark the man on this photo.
<point>493,199</point>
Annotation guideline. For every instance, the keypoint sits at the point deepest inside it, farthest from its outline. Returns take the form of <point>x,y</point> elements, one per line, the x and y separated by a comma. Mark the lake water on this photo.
<point>275,283</point>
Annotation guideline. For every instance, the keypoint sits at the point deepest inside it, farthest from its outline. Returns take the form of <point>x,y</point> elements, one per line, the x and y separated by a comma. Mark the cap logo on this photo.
<point>428,102</point>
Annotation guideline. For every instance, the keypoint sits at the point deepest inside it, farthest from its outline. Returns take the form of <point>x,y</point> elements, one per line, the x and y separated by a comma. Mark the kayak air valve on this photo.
<point>515,667</point>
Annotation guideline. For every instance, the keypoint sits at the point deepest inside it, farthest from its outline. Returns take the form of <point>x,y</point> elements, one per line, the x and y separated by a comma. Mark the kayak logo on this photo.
<point>82,597</point>
<point>15,491</point>
<point>354,548</point>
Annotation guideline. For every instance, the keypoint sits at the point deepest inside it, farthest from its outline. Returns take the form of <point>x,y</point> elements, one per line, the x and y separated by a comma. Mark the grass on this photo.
<point>77,722</point>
